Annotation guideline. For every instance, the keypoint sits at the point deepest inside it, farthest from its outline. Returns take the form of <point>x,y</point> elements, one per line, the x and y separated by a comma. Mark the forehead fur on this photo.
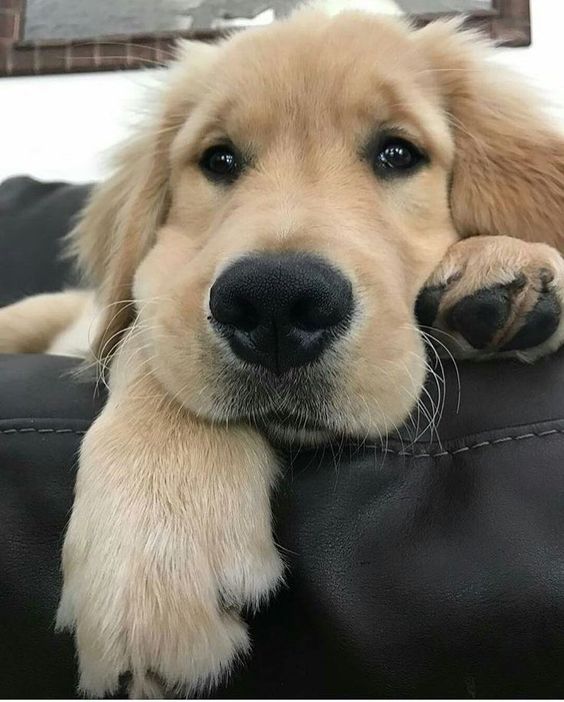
<point>314,74</point>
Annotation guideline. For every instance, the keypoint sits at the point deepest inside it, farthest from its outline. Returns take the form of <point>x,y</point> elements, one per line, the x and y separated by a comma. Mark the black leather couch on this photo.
<point>426,569</point>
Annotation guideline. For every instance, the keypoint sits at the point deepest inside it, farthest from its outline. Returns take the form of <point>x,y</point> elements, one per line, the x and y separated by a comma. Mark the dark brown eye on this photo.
<point>397,156</point>
<point>221,163</point>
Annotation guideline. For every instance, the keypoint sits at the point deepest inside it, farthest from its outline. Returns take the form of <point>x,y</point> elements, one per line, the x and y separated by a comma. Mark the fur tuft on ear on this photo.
<point>508,175</point>
<point>119,223</point>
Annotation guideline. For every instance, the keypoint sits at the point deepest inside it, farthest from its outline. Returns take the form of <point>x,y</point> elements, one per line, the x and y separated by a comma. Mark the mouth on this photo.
<point>280,322</point>
<point>312,404</point>
<point>297,403</point>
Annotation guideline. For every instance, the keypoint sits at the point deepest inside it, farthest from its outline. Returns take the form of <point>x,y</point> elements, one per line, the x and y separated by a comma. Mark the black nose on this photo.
<point>281,310</point>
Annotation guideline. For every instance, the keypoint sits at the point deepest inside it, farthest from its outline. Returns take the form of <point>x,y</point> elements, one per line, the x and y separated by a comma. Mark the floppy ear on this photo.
<point>508,175</point>
<point>119,223</point>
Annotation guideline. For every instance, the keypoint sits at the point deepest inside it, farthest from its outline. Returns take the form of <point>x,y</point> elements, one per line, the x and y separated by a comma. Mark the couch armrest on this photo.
<point>414,570</point>
<point>43,415</point>
<point>34,217</point>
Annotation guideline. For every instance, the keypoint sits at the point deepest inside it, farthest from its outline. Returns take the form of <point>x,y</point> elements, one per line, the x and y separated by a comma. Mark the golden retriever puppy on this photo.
<point>257,257</point>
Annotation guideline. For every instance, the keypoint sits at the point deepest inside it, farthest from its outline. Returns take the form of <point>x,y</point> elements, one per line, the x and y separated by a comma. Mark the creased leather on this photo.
<point>419,569</point>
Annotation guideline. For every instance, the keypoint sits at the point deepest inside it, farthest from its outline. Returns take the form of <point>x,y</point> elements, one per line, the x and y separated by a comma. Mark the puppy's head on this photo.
<point>276,222</point>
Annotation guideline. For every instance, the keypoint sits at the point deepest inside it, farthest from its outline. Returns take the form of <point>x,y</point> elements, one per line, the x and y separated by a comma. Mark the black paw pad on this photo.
<point>539,325</point>
<point>427,305</point>
<point>479,317</point>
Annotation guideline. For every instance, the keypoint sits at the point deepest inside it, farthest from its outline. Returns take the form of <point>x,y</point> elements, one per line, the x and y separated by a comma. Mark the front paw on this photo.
<point>247,577</point>
<point>494,296</point>
<point>152,619</point>
<point>163,555</point>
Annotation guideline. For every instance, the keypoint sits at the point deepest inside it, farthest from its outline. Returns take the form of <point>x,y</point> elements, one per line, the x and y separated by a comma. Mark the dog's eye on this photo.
<point>396,156</point>
<point>221,163</point>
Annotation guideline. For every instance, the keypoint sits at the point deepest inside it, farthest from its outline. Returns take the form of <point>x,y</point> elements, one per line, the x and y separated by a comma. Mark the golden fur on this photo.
<point>170,533</point>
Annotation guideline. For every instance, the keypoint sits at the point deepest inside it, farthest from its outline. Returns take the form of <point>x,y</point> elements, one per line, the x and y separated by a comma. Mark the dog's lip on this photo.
<point>269,418</point>
<point>289,431</point>
<point>298,399</point>
<point>290,420</point>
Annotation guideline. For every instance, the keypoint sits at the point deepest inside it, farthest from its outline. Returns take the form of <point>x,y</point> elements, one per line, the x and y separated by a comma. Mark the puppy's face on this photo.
<point>308,191</point>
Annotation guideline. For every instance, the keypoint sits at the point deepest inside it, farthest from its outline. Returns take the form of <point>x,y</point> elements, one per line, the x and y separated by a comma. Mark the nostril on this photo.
<point>243,315</point>
<point>234,311</point>
<point>306,314</point>
<point>321,312</point>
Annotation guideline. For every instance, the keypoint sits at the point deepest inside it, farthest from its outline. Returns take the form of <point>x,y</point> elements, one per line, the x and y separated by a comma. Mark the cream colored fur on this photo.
<point>169,538</point>
<point>35,324</point>
<point>170,534</point>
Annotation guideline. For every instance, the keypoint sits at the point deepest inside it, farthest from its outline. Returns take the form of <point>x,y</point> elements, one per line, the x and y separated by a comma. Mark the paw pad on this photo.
<point>481,316</point>
<point>515,316</point>
<point>539,324</point>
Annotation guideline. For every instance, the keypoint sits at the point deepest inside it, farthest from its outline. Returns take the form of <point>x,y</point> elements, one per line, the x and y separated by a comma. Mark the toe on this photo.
<point>480,316</point>
<point>427,304</point>
<point>539,324</point>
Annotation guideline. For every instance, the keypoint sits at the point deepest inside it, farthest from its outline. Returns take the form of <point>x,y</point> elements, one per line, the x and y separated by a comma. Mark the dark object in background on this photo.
<point>55,36</point>
<point>48,20</point>
<point>32,217</point>
<point>415,570</point>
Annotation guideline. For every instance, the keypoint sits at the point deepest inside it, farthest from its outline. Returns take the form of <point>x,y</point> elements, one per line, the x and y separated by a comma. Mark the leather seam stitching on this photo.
<point>438,454</point>
<point>34,430</point>
<point>480,444</point>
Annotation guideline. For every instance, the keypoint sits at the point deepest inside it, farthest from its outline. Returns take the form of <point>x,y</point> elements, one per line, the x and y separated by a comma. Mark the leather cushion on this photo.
<point>414,569</point>
<point>33,218</point>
